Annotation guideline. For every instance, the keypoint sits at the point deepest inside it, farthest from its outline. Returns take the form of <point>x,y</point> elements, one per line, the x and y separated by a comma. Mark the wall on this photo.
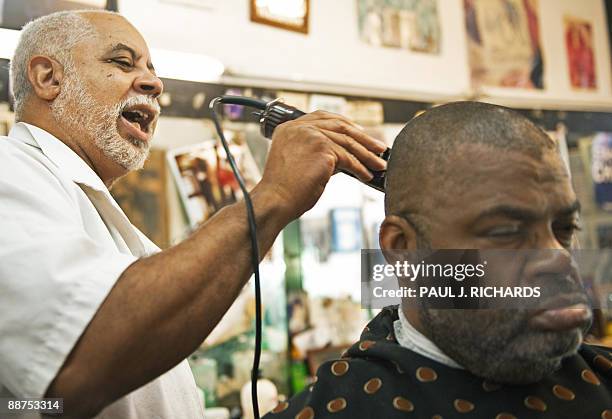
<point>333,54</point>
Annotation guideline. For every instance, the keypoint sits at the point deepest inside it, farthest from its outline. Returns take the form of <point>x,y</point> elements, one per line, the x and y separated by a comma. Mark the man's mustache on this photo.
<point>139,100</point>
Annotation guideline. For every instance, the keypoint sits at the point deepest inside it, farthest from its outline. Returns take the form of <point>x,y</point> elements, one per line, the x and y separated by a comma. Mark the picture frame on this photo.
<point>204,180</point>
<point>266,12</point>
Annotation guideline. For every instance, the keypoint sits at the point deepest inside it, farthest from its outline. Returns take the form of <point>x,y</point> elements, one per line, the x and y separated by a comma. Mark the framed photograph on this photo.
<point>411,25</point>
<point>580,49</point>
<point>16,13</point>
<point>291,15</point>
<point>504,48</point>
<point>204,178</point>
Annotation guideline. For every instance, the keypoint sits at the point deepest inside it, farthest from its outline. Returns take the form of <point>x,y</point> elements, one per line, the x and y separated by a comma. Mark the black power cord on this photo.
<point>271,115</point>
<point>253,234</point>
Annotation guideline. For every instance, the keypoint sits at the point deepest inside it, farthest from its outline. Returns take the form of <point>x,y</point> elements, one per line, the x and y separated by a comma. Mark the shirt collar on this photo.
<point>59,153</point>
<point>410,338</point>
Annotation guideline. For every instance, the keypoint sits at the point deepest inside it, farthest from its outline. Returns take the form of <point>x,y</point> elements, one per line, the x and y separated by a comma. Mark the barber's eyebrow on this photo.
<point>526,214</point>
<point>123,47</point>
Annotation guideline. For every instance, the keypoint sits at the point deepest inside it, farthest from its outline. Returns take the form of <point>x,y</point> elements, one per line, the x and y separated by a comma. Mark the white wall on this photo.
<point>332,52</point>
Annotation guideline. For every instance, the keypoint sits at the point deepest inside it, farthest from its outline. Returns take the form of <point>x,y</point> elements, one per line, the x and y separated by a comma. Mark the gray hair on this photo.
<point>53,35</point>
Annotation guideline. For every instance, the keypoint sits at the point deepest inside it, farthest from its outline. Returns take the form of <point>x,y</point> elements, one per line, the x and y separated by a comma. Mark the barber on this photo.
<point>90,310</point>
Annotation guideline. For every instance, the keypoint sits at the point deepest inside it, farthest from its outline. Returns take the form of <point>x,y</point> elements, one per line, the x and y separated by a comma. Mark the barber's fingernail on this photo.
<point>382,164</point>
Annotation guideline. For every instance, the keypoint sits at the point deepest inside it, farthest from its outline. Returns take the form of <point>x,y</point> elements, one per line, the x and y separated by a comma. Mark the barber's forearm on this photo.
<point>164,306</point>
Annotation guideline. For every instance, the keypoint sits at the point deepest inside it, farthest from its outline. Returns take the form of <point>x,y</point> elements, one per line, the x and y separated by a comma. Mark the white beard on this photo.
<point>98,123</point>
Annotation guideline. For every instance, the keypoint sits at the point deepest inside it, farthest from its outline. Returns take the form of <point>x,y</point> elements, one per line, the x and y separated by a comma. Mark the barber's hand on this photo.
<point>306,152</point>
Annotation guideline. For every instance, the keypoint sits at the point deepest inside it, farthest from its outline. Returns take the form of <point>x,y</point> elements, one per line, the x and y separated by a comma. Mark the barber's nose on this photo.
<point>149,85</point>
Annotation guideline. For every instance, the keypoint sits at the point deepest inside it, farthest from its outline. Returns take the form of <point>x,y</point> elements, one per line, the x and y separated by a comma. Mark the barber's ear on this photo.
<point>45,75</point>
<point>396,234</point>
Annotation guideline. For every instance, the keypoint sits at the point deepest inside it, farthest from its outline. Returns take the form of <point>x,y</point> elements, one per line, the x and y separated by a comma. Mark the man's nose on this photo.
<point>149,85</point>
<point>549,263</point>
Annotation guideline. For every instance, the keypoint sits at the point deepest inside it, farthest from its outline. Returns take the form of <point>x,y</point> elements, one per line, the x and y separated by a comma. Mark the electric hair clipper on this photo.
<point>277,112</point>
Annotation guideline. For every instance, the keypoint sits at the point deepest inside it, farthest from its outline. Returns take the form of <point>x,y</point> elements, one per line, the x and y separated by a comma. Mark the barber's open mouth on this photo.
<point>562,313</point>
<point>136,121</point>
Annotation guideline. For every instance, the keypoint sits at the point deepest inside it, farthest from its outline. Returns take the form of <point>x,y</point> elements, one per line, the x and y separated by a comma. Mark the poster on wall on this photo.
<point>504,43</point>
<point>16,13</point>
<point>580,53</point>
<point>601,169</point>
<point>204,178</point>
<point>407,24</point>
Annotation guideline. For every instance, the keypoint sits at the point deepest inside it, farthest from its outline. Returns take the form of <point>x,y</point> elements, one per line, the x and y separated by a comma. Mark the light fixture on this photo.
<point>8,42</point>
<point>169,64</point>
<point>186,66</point>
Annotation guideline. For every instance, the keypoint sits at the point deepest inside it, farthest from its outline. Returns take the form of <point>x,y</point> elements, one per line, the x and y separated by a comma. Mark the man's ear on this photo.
<point>396,233</point>
<point>396,236</point>
<point>45,75</point>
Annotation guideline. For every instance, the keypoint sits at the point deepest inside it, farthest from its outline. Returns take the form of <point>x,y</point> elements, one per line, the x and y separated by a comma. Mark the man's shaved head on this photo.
<point>470,175</point>
<point>422,166</point>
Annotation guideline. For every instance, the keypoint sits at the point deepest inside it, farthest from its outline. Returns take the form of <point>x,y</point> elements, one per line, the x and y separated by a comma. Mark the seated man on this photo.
<point>471,176</point>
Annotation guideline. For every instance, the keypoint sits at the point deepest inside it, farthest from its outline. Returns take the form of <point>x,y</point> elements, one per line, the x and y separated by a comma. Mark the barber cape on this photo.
<point>378,378</point>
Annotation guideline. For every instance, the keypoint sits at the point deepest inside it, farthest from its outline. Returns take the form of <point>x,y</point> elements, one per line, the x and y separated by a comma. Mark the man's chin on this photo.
<point>129,153</point>
<point>534,358</point>
<point>139,144</point>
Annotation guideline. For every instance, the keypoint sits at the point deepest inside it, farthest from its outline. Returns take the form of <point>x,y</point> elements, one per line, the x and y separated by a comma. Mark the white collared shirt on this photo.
<point>64,242</point>
<point>410,338</point>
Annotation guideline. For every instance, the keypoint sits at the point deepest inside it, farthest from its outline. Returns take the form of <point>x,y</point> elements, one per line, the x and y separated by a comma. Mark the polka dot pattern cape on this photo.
<point>378,378</point>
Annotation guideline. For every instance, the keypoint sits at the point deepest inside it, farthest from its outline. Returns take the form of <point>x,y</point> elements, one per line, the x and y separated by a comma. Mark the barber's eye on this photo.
<point>122,62</point>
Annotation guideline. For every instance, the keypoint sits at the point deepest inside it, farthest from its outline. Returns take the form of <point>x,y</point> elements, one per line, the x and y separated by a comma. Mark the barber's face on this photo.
<point>511,201</point>
<point>110,93</point>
